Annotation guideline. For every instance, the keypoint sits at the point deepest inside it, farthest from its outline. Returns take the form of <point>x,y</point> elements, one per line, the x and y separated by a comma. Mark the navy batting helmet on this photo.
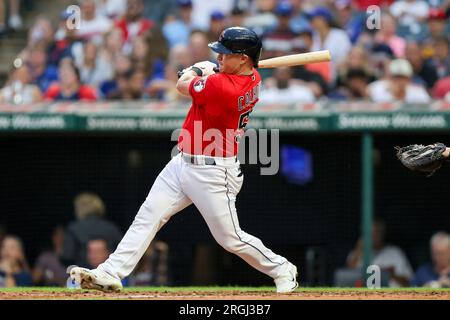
<point>238,40</point>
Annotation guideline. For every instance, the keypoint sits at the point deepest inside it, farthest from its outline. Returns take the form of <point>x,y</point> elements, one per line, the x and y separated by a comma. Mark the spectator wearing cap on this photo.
<point>217,24</point>
<point>279,41</point>
<point>326,37</point>
<point>437,21</point>
<point>299,20</point>
<point>436,29</point>
<point>398,85</point>
<point>424,70</point>
<point>69,87</point>
<point>94,26</point>
<point>313,79</point>
<point>386,35</point>
<point>133,24</point>
<point>177,27</point>
<point>348,19</point>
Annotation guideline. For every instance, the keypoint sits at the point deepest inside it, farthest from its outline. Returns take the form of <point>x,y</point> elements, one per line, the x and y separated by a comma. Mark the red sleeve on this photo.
<point>204,89</point>
<point>52,92</point>
<point>87,93</point>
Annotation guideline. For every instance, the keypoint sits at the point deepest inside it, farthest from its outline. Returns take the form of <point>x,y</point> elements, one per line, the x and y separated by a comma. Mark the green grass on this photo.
<point>218,289</point>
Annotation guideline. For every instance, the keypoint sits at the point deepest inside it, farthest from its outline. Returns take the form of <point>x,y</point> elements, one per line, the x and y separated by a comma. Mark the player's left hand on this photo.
<point>418,157</point>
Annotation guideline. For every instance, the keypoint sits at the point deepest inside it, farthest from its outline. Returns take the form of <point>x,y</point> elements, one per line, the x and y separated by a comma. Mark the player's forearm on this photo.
<point>185,81</point>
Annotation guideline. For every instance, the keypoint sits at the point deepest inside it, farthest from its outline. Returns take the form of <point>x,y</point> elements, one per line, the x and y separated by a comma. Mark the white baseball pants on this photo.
<point>213,190</point>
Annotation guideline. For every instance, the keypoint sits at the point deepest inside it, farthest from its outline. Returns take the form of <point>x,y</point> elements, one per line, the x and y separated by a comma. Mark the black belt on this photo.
<point>208,161</point>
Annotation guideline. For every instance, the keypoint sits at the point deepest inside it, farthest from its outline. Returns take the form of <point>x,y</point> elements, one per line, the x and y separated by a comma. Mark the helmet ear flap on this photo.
<point>257,55</point>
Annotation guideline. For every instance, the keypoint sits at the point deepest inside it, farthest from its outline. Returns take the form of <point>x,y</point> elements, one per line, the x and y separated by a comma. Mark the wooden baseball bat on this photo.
<point>290,60</point>
<point>296,59</point>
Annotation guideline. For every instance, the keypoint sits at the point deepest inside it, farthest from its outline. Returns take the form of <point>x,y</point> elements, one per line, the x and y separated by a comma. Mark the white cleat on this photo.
<point>287,282</point>
<point>95,279</point>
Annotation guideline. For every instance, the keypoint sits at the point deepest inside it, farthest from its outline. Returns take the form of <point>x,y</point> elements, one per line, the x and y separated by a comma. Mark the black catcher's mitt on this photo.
<point>418,157</point>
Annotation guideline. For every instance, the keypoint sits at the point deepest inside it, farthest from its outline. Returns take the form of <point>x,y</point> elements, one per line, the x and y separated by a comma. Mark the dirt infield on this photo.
<point>228,295</point>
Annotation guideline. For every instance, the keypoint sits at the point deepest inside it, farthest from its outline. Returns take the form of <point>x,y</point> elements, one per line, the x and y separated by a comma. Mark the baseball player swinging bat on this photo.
<point>290,60</point>
<point>209,178</point>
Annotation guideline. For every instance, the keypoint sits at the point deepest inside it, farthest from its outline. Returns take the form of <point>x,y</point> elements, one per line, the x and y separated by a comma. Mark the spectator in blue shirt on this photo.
<point>14,270</point>
<point>177,28</point>
<point>437,273</point>
<point>41,74</point>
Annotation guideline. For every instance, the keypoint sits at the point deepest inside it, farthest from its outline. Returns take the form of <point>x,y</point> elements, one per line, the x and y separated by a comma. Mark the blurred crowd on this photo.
<point>87,242</point>
<point>394,267</point>
<point>132,49</point>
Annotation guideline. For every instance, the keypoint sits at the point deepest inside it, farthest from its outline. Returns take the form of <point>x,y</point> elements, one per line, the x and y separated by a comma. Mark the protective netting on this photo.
<point>314,223</point>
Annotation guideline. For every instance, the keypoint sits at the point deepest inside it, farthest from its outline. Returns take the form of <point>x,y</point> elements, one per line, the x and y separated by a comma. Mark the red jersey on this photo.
<point>221,106</point>
<point>84,93</point>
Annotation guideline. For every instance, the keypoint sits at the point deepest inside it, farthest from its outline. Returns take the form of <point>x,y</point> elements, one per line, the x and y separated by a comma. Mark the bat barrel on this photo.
<point>296,59</point>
